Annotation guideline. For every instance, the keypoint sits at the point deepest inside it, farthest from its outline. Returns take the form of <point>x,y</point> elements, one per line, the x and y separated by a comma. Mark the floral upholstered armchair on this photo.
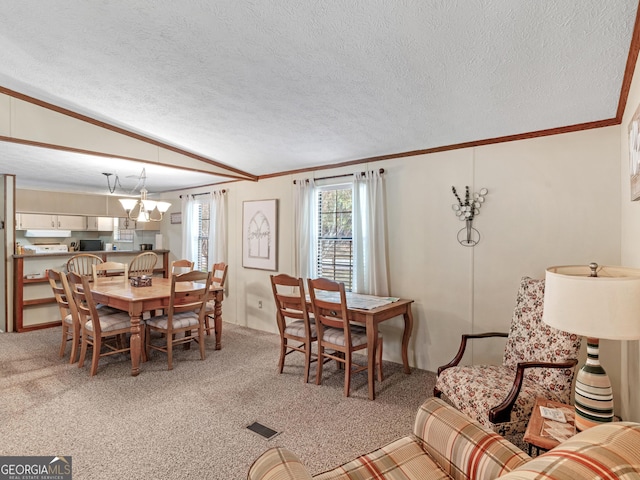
<point>539,361</point>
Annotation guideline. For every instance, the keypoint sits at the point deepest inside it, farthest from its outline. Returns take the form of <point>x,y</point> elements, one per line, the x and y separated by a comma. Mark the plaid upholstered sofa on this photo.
<point>447,444</point>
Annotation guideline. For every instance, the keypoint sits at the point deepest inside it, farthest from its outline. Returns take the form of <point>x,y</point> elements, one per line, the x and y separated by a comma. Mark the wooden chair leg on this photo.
<point>283,353</point>
<point>201,341</point>
<point>379,358</point>
<point>170,351</point>
<point>97,344</point>
<point>83,352</point>
<point>74,345</point>
<point>320,363</point>
<point>65,334</point>
<point>307,361</point>
<point>347,373</point>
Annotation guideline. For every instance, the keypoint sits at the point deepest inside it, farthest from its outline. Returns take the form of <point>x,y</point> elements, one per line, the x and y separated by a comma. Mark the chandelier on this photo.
<point>142,209</point>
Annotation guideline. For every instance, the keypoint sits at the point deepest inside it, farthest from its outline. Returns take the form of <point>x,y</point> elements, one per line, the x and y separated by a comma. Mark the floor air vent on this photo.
<point>263,431</point>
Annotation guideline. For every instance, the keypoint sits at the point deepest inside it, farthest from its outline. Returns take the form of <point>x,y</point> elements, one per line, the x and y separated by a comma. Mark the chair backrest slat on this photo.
<point>330,313</point>
<point>219,274</point>
<point>82,263</point>
<point>143,264</point>
<point>189,292</point>
<point>290,298</point>
<point>110,268</point>
<point>181,266</point>
<point>81,291</point>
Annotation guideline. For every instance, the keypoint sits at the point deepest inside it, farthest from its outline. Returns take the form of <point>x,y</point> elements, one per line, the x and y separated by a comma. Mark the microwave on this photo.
<point>91,245</point>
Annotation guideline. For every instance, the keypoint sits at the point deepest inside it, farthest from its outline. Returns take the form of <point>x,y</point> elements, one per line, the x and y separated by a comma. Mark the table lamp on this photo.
<point>595,302</point>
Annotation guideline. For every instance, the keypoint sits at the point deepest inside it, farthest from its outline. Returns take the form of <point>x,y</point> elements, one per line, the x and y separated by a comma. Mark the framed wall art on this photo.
<point>634,154</point>
<point>260,234</point>
<point>176,218</point>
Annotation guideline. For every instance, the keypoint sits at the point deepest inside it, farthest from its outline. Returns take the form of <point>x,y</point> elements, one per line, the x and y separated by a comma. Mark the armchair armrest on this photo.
<point>461,446</point>
<point>278,464</point>
<point>502,413</point>
<point>461,350</point>
<point>463,347</point>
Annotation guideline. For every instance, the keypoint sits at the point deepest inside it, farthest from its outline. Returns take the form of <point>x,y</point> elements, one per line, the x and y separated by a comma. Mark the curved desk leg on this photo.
<point>408,327</point>
<point>372,341</point>
<point>135,343</point>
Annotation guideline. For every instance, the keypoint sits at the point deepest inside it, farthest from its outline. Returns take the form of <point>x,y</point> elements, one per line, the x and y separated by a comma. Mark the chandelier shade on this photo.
<point>143,209</point>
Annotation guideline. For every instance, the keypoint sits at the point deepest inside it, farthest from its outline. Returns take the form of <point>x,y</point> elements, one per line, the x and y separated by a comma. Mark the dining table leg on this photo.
<point>408,327</point>
<point>217,319</point>
<point>372,341</point>
<point>135,344</point>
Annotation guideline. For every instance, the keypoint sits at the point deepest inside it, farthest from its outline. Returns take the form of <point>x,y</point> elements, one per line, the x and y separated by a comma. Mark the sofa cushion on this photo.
<point>608,451</point>
<point>277,464</point>
<point>403,459</point>
<point>462,447</point>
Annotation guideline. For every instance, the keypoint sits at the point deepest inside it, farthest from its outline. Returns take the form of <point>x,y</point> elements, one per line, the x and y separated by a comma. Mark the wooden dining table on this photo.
<point>370,318</point>
<point>116,293</point>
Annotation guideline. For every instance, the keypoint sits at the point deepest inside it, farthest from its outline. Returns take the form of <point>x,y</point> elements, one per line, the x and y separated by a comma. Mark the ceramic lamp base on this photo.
<point>593,393</point>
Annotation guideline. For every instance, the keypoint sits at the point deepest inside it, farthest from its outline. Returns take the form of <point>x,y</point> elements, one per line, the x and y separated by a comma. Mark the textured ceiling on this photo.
<point>267,87</point>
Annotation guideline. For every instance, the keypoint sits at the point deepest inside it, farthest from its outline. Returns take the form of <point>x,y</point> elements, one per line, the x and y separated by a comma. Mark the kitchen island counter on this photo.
<point>34,304</point>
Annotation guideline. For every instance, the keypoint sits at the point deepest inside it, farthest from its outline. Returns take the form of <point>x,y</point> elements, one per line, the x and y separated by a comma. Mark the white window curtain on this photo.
<point>305,228</point>
<point>218,227</point>
<point>189,229</point>
<point>370,273</point>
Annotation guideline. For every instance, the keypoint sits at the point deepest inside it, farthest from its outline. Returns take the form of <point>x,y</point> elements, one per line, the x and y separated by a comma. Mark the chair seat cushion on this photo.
<point>68,320</point>
<point>115,321</point>
<point>474,390</point>
<point>180,320</point>
<point>297,329</point>
<point>403,459</point>
<point>336,336</point>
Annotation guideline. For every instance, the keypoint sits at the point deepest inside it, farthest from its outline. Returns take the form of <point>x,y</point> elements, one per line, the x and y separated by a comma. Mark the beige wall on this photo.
<point>552,200</point>
<point>630,256</point>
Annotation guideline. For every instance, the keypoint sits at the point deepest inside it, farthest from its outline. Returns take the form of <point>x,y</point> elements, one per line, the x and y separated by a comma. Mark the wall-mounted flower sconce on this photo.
<point>466,211</point>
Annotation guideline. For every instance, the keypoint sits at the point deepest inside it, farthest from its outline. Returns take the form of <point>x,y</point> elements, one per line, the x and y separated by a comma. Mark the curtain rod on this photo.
<point>205,193</point>
<point>338,176</point>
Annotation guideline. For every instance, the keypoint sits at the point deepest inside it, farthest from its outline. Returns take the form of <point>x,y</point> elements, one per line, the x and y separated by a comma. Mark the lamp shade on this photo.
<point>128,203</point>
<point>602,306</point>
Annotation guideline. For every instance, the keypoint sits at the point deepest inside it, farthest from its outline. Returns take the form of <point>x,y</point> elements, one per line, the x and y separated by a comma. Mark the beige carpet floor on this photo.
<point>191,422</point>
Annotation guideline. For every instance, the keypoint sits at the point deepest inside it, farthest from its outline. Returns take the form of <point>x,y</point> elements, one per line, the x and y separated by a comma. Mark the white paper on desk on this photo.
<point>359,300</point>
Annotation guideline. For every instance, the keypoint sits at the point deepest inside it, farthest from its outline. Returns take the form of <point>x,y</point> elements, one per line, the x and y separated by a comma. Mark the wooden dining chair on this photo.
<point>336,333</point>
<point>143,264</point>
<point>68,313</point>
<point>97,330</point>
<point>181,266</point>
<point>219,272</point>
<point>293,320</point>
<point>82,263</point>
<point>105,269</point>
<point>185,314</point>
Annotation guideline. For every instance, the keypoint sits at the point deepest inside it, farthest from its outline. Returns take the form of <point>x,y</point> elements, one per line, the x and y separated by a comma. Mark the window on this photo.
<point>204,217</point>
<point>335,234</point>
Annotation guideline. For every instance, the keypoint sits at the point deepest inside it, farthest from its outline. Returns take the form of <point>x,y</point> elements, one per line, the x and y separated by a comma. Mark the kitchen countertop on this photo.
<point>97,252</point>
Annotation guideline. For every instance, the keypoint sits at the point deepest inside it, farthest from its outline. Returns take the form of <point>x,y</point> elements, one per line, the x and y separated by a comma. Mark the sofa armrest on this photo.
<point>278,463</point>
<point>462,447</point>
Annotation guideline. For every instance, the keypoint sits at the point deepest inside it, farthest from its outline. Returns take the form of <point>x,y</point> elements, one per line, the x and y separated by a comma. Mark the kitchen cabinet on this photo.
<point>100,224</point>
<point>40,221</point>
<point>71,222</point>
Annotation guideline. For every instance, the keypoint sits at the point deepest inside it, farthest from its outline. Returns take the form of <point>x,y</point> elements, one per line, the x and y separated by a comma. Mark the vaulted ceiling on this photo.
<point>280,86</point>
